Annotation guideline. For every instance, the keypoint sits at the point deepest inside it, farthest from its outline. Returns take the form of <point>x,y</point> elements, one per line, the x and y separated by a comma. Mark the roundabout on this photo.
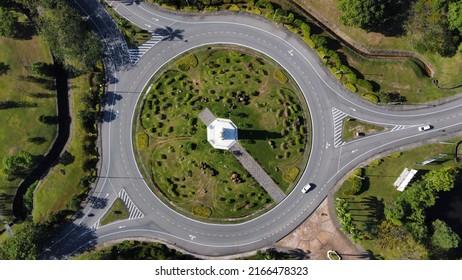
<point>328,163</point>
<point>186,156</point>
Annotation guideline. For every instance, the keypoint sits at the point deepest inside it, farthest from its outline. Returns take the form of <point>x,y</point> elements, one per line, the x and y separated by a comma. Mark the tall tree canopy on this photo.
<point>62,26</point>
<point>429,29</point>
<point>26,244</point>
<point>443,236</point>
<point>7,22</point>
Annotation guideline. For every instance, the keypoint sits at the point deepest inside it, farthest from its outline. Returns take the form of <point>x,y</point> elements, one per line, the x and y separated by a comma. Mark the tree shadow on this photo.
<point>169,34</point>
<point>111,98</point>
<point>24,30</point>
<point>108,115</point>
<point>15,104</point>
<point>37,140</point>
<point>98,202</point>
<point>66,158</point>
<point>258,135</point>
<point>73,240</point>
<point>42,95</point>
<point>50,120</point>
<point>43,82</point>
<point>4,68</point>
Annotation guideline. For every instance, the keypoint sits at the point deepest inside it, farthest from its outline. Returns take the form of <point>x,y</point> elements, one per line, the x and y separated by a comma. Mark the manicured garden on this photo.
<point>27,111</point>
<point>172,142</point>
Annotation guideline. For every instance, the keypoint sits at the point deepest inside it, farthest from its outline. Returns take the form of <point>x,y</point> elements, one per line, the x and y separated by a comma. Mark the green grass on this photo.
<point>394,75</point>
<point>20,128</point>
<point>351,128</point>
<point>177,138</point>
<point>118,211</point>
<point>377,189</point>
<point>56,191</point>
<point>399,76</point>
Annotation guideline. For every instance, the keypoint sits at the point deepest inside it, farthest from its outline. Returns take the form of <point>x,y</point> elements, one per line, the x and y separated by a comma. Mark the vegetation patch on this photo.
<point>280,76</point>
<point>391,224</point>
<point>201,211</point>
<point>234,84</point>
<point>135,250</point>
<point>25,94</point>
<point>291,174</point>
<point>353,128</point>
<point>117,212</point>
<point>142,140</point>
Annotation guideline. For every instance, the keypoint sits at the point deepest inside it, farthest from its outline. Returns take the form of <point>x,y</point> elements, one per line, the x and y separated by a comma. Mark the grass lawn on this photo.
<point>367,207</point>
<point>401,76</point>
<point>64,181</point>
<point>351,128</point>
<point>394,75</point>
<point>186,168</point>
<point>20,129</point>
<point>118,211</point>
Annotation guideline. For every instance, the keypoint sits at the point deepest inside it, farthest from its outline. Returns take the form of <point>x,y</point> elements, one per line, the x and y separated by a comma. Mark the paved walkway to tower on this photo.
<point>248,162</point>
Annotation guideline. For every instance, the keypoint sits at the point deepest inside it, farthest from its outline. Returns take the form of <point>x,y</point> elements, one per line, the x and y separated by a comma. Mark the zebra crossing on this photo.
<point>338,126</point>
<point>137,53</point>
<point>133,211</point>
<point>399,127</point>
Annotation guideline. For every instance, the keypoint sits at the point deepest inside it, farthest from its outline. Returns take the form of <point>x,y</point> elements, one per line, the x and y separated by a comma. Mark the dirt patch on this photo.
<point>318,234</point>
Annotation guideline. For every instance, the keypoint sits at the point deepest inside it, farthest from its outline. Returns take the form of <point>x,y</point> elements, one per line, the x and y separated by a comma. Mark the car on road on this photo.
<point>307,187</point>
<point>425,127</point>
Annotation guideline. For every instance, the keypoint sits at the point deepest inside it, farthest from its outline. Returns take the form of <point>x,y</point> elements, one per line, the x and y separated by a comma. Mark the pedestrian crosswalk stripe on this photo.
<point>137,53</point>
<point>133,211</point>
<point>338,117</point>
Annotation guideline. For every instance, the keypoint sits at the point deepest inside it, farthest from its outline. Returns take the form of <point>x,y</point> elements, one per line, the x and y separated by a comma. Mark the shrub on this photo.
<point>280,76</point>
<point>351,87</point>
<point>142,140</point>
<point>364,84</point>
<point>375,163</point>
<point>233,8</point>
<point>291,174</point>
<point>371,97</point>
<point>202,211</point>
<point>395,155</point>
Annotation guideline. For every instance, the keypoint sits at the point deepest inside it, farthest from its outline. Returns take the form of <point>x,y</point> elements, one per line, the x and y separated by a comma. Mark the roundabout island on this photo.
<point>188,126</point>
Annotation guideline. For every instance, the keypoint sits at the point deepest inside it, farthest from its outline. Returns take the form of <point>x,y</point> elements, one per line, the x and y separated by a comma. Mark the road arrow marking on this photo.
<point>147,25</point>
<point>353,109</point>
<point>122,226</point>
<point>327,145</point>
<point>192,236</point>
<point>354,151</point>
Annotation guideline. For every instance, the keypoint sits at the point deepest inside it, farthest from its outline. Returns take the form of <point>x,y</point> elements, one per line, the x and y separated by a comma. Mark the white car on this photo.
<point>425,127</point>
<point>307,187</point>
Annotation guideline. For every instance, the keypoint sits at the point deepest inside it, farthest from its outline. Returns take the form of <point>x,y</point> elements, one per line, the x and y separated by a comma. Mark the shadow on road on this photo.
<point>78,239</point>
<point>169,34</point>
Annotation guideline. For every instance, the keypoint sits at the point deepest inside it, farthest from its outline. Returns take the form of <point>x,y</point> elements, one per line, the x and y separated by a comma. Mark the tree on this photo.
<point>429,30</point>
<point>455,16</point>
<point>399,244</point>
<point>26,244</point>
<point>365,14</point>
<point>443,236</point>
<point>7,22</point>
<point>441,180</point>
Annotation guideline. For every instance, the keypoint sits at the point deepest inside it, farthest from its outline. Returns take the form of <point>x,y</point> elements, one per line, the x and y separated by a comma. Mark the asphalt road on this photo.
<point>328,101</point>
